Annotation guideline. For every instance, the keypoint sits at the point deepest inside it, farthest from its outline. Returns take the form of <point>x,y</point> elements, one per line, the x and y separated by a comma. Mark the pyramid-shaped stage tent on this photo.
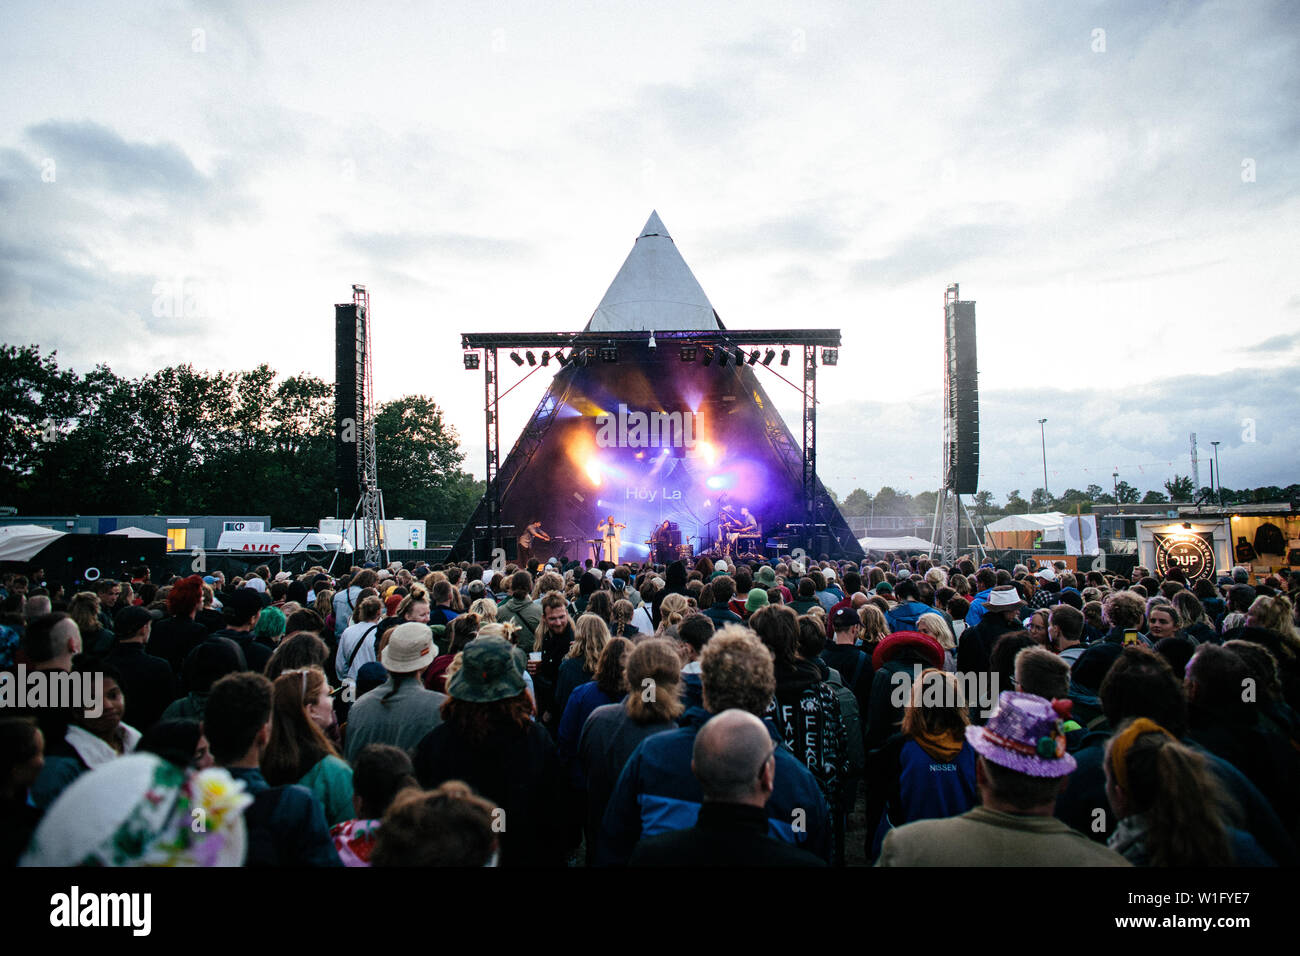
<point>650,437</point>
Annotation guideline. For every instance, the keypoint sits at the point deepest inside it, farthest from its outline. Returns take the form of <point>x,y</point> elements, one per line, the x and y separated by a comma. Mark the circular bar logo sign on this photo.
<point>1193,553</point>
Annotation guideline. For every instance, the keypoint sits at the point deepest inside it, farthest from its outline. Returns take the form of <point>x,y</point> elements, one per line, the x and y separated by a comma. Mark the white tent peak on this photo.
<point>654,226</point>
<point>654,290</point>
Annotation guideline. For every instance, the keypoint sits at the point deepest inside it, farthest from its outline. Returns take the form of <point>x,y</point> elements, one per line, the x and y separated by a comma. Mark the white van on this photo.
<point>281,542</point>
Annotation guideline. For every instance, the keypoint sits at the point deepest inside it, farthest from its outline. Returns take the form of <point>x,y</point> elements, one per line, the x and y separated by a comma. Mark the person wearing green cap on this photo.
<point>489,739</point>
<point>757,598</point>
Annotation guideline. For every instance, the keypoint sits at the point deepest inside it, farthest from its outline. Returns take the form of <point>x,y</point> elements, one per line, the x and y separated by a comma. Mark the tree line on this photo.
<point>184,441</point>
<point>1180,488</point>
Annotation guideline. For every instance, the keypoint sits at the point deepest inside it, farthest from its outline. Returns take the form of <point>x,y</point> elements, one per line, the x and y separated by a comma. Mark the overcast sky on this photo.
<point>1114,184</point>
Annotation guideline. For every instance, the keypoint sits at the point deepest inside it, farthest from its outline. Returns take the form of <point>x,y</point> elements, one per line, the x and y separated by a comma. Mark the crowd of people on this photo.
<point>896,712</point>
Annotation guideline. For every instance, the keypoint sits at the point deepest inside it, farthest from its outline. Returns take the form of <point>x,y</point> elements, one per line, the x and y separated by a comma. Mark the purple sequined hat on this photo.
<point>1025,735</point>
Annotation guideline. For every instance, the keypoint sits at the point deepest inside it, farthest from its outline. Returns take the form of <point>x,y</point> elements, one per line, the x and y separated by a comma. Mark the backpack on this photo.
<point>851,717</point>
<point>818,711</point>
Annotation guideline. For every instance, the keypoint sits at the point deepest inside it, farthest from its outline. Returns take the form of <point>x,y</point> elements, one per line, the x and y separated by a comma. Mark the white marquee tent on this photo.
<point>22,542</point>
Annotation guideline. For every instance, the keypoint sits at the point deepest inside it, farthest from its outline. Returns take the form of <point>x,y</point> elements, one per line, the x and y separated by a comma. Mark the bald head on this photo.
<point>859,599</point>
<point>733,759</point>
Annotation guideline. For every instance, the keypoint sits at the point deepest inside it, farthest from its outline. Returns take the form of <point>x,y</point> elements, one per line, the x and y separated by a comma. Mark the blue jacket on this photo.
<point>586,698</point>
<point>286,825</point>
<point>977,607</point>
<point>904,616</point>
<point>908,784</point>
<point>657,792</point>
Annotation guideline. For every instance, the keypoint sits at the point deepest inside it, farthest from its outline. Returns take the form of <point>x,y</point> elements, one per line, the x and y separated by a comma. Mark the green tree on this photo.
<point>1040,500</point>
<point>1180,488</point>
<point>925,502</point>
<point>1095,493</point>
<point>891,502</point>
<point>984,504</point>
<point>857,503</point>
<point>419,459</point>
<point>1015,504</point>
<point>1072,499</point>
<point>40,406</point>
<point>1154,497</point>
<point>1128,495</point>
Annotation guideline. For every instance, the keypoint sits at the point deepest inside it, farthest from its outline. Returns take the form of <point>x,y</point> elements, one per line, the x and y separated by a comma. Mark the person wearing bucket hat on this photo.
<point>1020,768</point>
<point>489,740</point>
<point>757,598</point>
<point>400,712</point>
<point>1002,615</point>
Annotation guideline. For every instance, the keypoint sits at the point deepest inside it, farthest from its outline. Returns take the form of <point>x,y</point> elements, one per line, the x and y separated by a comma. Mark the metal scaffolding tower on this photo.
<point>371,503</point>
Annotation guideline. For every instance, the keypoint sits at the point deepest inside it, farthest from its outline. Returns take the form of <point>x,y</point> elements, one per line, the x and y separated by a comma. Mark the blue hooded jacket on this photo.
<point>903,617</point>
<point>978,607</point>
<point>657,792</point>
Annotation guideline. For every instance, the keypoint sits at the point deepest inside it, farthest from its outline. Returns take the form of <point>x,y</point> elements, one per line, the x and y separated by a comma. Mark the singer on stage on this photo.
<point>609,530</point>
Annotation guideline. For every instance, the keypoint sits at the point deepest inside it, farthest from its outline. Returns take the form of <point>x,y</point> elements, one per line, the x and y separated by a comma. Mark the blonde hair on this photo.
<point>485,608</point>
<point>620,615</point>
<point>84,611</point>
<point>936,627</point>
<point>672,611</point>
<point>456,663</point>
<point>1274,614</point>
<point>874,626</point>
<point>550,581</point>
<point>504,629</point>
<point>590,635</point>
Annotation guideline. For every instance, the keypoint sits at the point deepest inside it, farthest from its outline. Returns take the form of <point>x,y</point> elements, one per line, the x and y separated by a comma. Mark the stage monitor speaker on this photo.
<point>347,403</point>
<point>965,384</point>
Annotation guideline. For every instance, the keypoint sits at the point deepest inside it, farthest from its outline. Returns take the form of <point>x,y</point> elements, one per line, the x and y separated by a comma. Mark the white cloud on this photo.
<point>832,165</point>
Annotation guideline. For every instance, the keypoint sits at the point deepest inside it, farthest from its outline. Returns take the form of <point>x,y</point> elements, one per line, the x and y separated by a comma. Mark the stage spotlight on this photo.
<point>546,359</point>
<point>688,353</point>
<point>740,357</point>
<point>723,355</point>
<point>562,358</point>
<point>785,356</point>
<point>767,359</point>
<point>708,357</point>
<point>532,359</point>
<point>608,353</point>
<point>471,360</point>
<point>514,357</point>
<point>753,356</point>
<point>830,356</point>
<point>652,344</point>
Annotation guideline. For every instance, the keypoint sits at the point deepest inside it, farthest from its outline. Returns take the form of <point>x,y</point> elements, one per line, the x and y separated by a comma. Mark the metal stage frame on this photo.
<point>583,348</point>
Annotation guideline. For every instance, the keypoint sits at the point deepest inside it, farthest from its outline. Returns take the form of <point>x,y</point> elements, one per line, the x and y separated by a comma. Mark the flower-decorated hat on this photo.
<point>1025,735</point>
<point>140,810</point>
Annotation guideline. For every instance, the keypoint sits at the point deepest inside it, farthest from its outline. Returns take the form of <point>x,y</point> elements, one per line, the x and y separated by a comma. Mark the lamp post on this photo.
<point>1218,474</point>
<point>1115,479</point>
<point>1042,423</point>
